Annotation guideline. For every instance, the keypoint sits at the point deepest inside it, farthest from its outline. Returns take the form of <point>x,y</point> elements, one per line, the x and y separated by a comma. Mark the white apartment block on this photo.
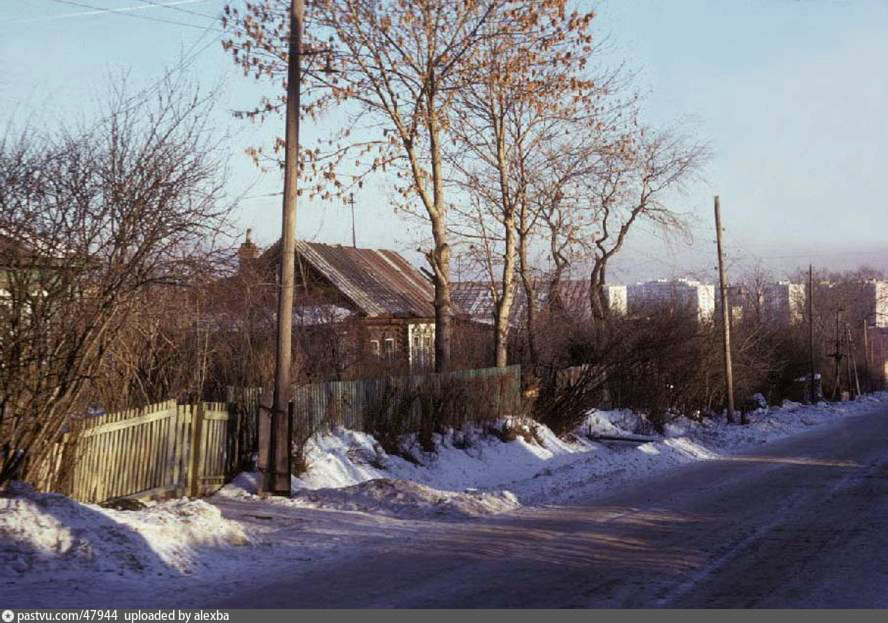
<point>877,301</point>
<point>783,302</point>
<point>696,297</point>
<point>617,298</point>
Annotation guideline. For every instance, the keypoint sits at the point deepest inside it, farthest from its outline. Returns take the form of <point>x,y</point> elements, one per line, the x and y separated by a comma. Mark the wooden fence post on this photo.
<point>197,453</point>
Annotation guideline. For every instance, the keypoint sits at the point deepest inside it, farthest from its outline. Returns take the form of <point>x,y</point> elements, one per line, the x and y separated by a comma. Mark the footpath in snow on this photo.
<point>54,551</point>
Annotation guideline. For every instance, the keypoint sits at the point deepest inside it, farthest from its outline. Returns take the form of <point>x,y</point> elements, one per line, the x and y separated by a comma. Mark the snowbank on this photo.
<point>543,469</point>
<point>50,532</point>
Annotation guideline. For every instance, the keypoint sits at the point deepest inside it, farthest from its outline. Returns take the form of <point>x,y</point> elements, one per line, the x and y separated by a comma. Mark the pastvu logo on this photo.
<point>7,616</point>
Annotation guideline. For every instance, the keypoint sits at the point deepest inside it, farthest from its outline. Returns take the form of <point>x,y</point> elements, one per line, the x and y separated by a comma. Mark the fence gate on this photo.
<point>164,448</point>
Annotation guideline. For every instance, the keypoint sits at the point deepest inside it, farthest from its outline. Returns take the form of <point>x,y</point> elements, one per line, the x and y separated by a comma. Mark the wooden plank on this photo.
<point>100,442</point>
<point>197,454</point>
<point>139,464</point>
<point>169,455</point>
<point>127,439</point>
<point>115,462</point>
<point>133,421</point>
<point>159,446</point>
<point>178,446</point>
<point>185,448</point>
<point>151,462</point>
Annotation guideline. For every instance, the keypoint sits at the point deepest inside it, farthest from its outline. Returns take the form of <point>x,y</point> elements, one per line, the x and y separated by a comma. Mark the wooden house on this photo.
<point>384,300</point>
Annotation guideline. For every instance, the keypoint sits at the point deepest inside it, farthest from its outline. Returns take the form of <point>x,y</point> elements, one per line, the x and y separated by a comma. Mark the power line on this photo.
<point>174,7</point>
<point>277,194</point>
<point>187,59</point>
<point>125,12</point>
<point>47,18</point>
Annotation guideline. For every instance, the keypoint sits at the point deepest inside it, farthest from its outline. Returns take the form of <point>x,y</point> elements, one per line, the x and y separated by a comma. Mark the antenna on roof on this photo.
<point>351,200</point>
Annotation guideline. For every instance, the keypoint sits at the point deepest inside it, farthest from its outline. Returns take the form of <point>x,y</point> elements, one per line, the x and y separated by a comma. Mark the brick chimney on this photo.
<point>248,252</point>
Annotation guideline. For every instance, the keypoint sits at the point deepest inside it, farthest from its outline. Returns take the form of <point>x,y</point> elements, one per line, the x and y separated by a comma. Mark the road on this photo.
<point>798,523</point>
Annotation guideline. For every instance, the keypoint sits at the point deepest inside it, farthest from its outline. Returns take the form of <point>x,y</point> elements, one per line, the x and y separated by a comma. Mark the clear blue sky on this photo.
<point>791,94</point>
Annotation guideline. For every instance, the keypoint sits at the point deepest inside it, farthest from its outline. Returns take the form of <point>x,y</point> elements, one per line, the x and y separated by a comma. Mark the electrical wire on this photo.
<point>174,7</point>
<point>135,15</point>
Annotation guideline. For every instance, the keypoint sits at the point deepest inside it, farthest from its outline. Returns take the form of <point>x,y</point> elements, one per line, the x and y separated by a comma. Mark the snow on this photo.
<point>42,533</point>
<point>404,498</point>
<point>353,492</point>
<point>544,470</point>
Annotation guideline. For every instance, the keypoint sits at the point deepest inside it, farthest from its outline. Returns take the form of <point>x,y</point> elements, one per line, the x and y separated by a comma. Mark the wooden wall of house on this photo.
<point>380,330</point>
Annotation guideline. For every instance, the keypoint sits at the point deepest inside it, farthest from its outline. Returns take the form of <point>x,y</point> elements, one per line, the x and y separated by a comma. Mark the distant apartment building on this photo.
<point>782,302</point>
<point>474,300</point>
<point>696,297</point>
<point>617,298</point>
<point>876,293</point>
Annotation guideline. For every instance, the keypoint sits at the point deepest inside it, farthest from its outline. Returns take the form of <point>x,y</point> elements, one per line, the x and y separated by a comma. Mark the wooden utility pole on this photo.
<point>852,361</point>
<point>866,359</point>
<point>837,356</point>
<point>278,469</point>
<point>813,390</point>
<point>726,318</point>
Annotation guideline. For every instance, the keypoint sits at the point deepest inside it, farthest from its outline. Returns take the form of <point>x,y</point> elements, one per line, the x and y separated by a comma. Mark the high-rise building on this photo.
<point>694,296</point>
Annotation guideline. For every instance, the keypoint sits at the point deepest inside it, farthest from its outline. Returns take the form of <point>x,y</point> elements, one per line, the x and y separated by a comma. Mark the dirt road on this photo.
<point>799,523</point>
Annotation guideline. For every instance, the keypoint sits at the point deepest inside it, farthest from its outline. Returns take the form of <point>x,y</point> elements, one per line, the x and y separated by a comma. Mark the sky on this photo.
<point>791,96</point>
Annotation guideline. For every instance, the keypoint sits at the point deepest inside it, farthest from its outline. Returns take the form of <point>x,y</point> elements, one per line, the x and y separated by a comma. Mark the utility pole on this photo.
<point>852,361</point>
<point>278,469</point>
<point>837,355</point>
<point>866,359</point>
<point>813,394</point>
<point>726,318</point>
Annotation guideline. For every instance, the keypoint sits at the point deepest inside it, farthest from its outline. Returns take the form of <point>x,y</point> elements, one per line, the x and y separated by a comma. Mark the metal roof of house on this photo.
<point>378,282</point>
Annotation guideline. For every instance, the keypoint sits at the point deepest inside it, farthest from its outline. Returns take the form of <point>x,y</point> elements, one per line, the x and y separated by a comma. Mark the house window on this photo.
<point>389,348</point>
<point>374,347</point>
<point>421,344</point>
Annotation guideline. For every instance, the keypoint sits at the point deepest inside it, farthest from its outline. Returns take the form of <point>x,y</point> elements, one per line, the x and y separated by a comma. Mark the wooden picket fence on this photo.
<point>162,449</point>
<point>193,449</point>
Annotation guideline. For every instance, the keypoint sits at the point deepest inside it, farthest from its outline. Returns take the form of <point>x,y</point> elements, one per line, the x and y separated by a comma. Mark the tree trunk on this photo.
<point>441,253</point>
<point>504,302</point>
<point>529,292</point>
<point>507,296</point>
<point>597,296</point>
<point>555,301</point>
<point>443,307</point>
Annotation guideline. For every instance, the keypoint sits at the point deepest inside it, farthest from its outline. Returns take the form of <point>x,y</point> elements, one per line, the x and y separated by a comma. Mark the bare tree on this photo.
<point>628,184</point>
<point>529,79</point>
<point>92,221</point>
<point>400,67</point>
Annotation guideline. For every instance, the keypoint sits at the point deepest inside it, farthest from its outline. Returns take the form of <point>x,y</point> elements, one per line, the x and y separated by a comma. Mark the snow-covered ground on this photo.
<point>544,469</point>
<point>45,533</point>
<point>52,547</point>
